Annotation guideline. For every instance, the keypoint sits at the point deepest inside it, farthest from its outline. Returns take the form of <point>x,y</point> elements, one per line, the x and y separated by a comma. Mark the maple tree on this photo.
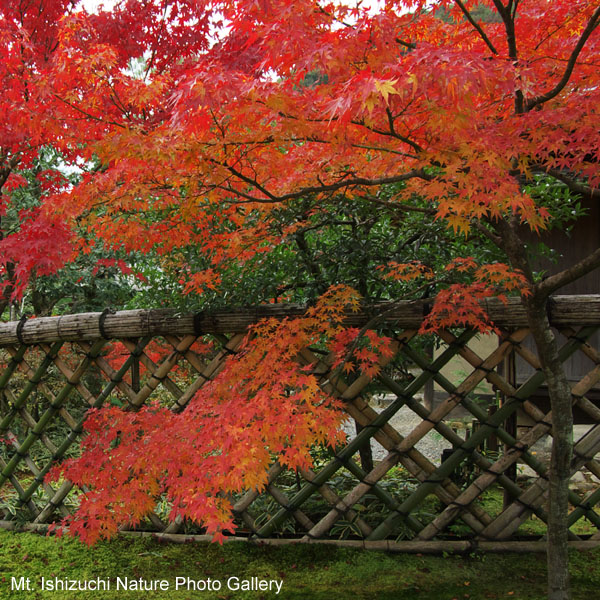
<point>239,108</point>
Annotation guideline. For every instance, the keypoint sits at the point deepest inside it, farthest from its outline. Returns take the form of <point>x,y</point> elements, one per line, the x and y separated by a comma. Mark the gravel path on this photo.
<point>404,421</point>
<point>433,444</point>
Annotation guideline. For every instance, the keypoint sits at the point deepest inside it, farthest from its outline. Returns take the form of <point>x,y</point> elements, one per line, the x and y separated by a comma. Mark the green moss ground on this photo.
<point>308,572</point>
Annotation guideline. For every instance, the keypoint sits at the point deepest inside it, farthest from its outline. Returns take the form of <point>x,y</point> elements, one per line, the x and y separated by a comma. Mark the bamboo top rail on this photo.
<point>564,310</point>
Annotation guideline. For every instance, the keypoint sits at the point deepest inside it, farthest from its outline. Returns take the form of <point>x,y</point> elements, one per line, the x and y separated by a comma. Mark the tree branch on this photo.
<point>569,180</point>
<point>511,243</point>
<point>592,24</point>
<point>7,167</point>
<point>508,17</point>
<point>409,45</point>
<point>402,206</point>
<point>316,189</point>
<point>495,239</point>
<point>391,133</point>
<point>583,267</point>
<point>89,115</point>
<point>574,185</point>
<point>501,9</point>
<point>476,25</point>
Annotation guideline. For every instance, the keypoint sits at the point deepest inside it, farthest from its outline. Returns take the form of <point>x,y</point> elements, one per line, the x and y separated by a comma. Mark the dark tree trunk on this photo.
<point>562,450</point>
<point>559,391</point>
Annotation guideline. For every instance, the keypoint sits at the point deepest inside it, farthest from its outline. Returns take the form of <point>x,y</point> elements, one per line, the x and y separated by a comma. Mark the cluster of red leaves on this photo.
<point>42,246</point>
<point>406,271</point>
<point>361,350</point>
<point>459,304</point>
<point>231,123</point>
<point>263,404</point>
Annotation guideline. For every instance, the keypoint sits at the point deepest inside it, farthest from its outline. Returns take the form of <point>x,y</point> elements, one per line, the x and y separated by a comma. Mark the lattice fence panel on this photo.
<point>406,498</point>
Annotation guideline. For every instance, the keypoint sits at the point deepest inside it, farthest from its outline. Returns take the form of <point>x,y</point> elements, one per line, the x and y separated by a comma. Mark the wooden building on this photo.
<point>570,247</point>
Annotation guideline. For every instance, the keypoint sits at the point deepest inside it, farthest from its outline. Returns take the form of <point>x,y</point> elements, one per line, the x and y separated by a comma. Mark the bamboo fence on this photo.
<point>54,369</point>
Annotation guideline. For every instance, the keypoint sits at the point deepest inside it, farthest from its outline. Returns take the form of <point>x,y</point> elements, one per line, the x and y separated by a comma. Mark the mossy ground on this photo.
<point>308,572</point>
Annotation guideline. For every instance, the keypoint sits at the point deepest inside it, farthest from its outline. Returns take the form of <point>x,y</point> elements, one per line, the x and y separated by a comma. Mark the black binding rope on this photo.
<point>434,481</point>
<point>101,319</point>
<point>20,326</point>
<point>527,505</point>
<point>467,451</point>
<point>581,340</point>
<point>197,324</point>
<point>427,308</point>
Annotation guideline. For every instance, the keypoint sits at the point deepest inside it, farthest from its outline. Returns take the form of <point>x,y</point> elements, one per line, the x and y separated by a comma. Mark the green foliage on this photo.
<point>333,242</point>
<point>83,284</point>
<point>397,484</point>
<point>565,209</point>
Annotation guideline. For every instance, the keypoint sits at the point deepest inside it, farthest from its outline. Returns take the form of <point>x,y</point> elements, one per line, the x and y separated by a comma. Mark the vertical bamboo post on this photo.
<point>135,368</point>
<point>428,388</point>
<point>365,452</point>
<point>510,425</point>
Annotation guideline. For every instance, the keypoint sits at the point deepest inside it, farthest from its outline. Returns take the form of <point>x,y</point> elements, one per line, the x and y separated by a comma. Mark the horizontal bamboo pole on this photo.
<point>564,311</point>
<point>409,547</point>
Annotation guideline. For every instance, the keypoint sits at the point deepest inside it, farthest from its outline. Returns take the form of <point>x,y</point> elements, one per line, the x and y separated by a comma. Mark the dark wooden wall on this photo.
<point>583,239</point>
